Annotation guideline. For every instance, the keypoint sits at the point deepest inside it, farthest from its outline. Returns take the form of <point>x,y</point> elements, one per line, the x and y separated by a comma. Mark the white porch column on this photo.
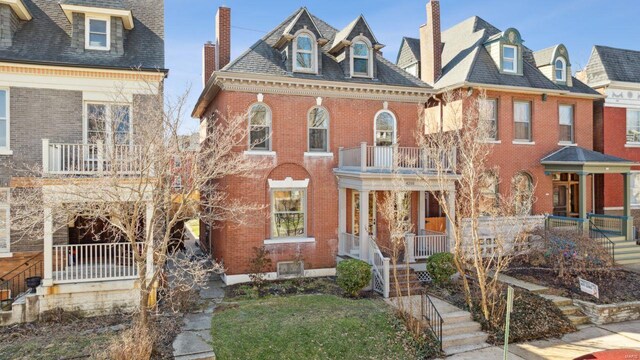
<point>342,218</point>
<point>148,216</point>
<point>48,248</point>
<point>451,205</point>
<point>364,225</point>
<point>421,211</point>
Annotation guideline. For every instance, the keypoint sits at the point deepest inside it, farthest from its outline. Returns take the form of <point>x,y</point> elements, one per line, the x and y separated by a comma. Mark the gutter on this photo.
<point>86,66</point>
<point>519,89</point>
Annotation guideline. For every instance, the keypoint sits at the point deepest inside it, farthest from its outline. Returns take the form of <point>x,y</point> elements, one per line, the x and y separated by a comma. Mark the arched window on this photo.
<point>489,192</point>
<point>259,127</point>
<point>361,58</point>
<point>304,53</point>
<point>385,128</point>
<point>561,69</point>
<point>318,121</point>
<point>522,188</point>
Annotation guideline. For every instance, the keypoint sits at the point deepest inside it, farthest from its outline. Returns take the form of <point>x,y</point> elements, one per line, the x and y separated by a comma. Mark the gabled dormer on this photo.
<point>12,12</point>
<point>506,50</point>
<point>554,63</point>
<point>301,43</point>
<point>355,48</point>
<point>98,28</point>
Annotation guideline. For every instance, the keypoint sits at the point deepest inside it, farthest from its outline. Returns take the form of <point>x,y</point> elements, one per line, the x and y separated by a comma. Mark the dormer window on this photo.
<point>304,53</point>
<point>510,59</point>
<point>361,64</point>
<point>561,69</point>
<point>97,33</point>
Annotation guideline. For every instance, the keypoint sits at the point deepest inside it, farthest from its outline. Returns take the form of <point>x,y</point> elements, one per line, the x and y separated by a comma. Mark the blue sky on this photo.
<point>579,24</point>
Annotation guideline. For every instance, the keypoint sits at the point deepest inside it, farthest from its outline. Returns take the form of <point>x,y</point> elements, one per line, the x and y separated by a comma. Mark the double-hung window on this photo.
<point>522,120</point>
<point>97,33</point>
<point>304,53</point>
<point>489,118</point>
<point>561,69</point>
<point>109,124</point>
<point>259,128</point>
<point>4,120</point>
<point>633,126</point>
<point>566,123</point>
<point>288,207</point>
<point>361,59</point>
<point>318,130</point>
<point>510,59</point>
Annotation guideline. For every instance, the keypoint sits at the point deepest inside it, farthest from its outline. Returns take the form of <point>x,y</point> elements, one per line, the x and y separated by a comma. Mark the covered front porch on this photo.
<point>570,169</point>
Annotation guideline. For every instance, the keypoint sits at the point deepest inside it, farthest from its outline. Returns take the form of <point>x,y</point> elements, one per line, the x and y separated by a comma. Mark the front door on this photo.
<point>566,195</point>
<point>355,206</point>
<point>435,220</point>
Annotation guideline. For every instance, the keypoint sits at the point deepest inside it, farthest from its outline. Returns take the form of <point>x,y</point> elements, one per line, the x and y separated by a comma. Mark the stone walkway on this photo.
<point>194,340</point>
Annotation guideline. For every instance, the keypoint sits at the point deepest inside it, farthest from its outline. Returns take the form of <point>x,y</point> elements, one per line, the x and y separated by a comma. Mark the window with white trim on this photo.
<point>97,33</point>
<point>304,53</point>
<point>489,192</point>
<point>385,129</point>
<point>5,222</point>
<point>522,120</point>
<point>259,127</point>
<point>288,209</point>
<point>4,119</point>
<point>566,123</point>
<point>522,190</point>
<point>635,189</point>
<point>633,126</point>
<point>488,109</point>
<point>318,130</point>
<point>361,59</point>
<point>109,123</point>
<point>560,68</point>
<point>510,58</point>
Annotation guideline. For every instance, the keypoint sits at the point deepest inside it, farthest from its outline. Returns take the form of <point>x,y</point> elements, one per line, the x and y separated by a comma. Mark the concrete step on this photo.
<point>627,248</point>
<point>456,317</point>
<point>627,256</point>
<point>619,239</point>
<point>632,261</point>
<point>578,320</point>
<point>464,348</point>
<point>460,328</point>
<point>571,310</point>
<point>558,300</point>
<point>472,338</point>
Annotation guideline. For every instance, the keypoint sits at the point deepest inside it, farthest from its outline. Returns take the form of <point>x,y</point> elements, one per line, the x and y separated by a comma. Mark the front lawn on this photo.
<point>310,327</point>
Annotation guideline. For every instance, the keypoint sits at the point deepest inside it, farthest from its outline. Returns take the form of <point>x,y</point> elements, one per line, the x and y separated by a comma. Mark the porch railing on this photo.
<point>432,317</point>
<point>350,245</point>
<point>564,223</point>
<point>16,284</point>
<point>367,158</point>
<point>420,247</point>
<point>95,262</point>
<point>614,225</point>
<point>380,265</point>
<point>90,159</point>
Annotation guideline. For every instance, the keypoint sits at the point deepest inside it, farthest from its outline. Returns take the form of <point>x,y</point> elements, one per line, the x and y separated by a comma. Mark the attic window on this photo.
<point>304,51</point>
<point>510,59</point>
<point>561,69</point>
<point>361,59</point>
<point>97,33</point>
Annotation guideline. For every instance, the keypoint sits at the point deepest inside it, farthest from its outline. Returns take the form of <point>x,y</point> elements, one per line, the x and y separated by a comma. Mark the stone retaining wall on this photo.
<point>610,313</point>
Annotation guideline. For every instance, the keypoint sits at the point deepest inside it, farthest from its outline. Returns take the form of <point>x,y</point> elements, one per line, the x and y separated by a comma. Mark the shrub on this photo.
<point>133,343</point>
<point>258,266</point>
<point>353,275</point>
<point>441,267</point>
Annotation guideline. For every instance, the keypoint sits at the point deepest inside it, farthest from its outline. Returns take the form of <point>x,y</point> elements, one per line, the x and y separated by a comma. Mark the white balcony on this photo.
<point>90,159</point>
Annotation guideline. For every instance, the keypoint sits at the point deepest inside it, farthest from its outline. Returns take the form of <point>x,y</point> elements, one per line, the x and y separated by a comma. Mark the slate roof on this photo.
<point>46,38</point>
<point>465,59</point>
<point>576,154</point>
<point>263,58</point>
<point>612,64</point>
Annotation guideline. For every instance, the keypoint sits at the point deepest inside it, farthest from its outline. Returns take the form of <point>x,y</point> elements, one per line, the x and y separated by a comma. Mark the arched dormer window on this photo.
<point>305,52</point>
<point>361,57</point>
<point>259,127</point>
<point>385,128</point>
<point>560,68</point>
<point>511,51</point>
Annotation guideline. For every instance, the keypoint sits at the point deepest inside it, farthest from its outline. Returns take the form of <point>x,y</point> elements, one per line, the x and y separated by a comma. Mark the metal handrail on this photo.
<point>609,245</point>
<point>6,275</point>
<point>432,317</point>
<point>15,286</point>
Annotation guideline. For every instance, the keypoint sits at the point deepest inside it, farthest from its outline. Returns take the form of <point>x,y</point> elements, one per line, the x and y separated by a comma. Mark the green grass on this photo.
<point>309,327</point>
<point>194,226</point>
<point>55,346</point>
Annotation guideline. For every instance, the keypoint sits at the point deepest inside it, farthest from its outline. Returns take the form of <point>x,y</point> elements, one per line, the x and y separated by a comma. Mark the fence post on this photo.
<point>363,156</point>
<point>45,156</point>
<point>385,276</point>
<point>409,250</point>
<point>48,248</point>
<point>100,151</point>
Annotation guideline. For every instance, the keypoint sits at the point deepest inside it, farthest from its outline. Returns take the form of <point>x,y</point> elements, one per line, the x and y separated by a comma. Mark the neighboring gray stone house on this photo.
<point>72,76</point>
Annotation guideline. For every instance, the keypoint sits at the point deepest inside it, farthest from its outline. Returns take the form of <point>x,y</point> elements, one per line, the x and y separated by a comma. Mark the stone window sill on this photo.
<point>318,154</point>
<point>523,142</point>
<point>259,153</point>
<point>289,241</point>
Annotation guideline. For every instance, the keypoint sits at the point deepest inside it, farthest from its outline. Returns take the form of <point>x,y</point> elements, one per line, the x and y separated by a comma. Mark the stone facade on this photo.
<point>610,313</point>
<point>78,36</point>
<point>9,24</point>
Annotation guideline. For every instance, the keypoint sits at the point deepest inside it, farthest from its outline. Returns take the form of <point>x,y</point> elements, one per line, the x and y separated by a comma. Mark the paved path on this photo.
<point>194,340</point>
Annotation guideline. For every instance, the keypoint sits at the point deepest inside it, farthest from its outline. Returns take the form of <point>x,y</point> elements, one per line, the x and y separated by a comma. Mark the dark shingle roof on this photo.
<point>576,154</point>
<point>47,37</point>
<point>110,4</point>
<point>611,64</point>
<point>465,59</point>
<point>263,58</point>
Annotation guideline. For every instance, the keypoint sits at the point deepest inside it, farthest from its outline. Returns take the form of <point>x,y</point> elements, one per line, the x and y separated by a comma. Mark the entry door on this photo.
<point>355,205</point>
<point>566,195</point>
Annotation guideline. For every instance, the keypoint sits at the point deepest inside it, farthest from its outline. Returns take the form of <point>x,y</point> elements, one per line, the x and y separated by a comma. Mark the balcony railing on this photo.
<point>389,158</point>
<point>90,159</point>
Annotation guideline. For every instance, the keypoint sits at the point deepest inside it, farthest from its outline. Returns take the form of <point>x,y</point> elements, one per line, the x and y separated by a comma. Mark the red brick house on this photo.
<point>542,116</point>
<point>330,114</point>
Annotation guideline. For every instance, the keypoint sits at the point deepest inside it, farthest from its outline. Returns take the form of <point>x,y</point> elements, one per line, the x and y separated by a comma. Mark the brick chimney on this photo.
<point>431,45</point>
<point>223,37</point>
<point>208,61</point>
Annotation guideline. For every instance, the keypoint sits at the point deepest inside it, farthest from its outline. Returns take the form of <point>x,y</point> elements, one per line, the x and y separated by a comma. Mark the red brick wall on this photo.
<point>351,122</point>
<point>208,61</point>
<point>223,37</point>
<point>512,158</point>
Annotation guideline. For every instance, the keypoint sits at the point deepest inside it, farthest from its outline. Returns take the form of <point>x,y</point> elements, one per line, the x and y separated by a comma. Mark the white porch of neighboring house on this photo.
<point>365,174</point>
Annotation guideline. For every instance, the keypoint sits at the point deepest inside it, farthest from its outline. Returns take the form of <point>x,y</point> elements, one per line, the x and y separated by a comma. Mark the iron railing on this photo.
<point>432,317</point>
<point>16,285</point>
<point>601,237</point>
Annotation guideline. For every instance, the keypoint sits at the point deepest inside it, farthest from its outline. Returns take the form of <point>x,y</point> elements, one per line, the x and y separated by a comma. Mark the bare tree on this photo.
<point>145,184</point>
<point>486,229</point>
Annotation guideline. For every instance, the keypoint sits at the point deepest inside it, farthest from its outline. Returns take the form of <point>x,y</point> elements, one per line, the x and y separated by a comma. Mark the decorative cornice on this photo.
<point>42,70</point>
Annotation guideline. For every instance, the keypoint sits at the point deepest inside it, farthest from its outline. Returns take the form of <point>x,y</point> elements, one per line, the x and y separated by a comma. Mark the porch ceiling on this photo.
<point>394,181</point>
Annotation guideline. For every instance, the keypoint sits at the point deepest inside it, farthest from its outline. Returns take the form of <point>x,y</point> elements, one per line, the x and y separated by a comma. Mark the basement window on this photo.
<point>288,269</point>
